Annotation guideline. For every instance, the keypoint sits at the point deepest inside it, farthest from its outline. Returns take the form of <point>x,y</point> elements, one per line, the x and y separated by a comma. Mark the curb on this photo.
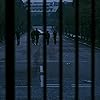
<point>73,36</point>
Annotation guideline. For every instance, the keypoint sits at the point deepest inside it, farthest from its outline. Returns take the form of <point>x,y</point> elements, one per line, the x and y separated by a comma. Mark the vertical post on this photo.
<point>28,53</point>
<point>93,25</point>
<point>60,50</point>
<point>10,49</point>
<point>44,49</point>
<point>76,50</point>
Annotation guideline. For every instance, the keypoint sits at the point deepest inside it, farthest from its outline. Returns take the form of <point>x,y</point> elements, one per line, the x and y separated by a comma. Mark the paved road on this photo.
<point>52,70</point>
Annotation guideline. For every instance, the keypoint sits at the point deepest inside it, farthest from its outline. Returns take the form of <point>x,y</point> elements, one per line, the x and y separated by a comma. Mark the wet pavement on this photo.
<point>52,70</point>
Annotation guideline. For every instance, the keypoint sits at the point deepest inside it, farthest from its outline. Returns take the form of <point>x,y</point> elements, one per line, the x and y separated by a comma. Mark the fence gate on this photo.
<point>10,50</point>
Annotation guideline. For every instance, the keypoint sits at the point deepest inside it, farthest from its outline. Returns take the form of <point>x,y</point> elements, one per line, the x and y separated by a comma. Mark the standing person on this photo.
<point>18,36</point>
<point>33,36</point>
<point>37,36</point>
<point>22,27</point>
<point>47,37</point>
<point>54,36</point>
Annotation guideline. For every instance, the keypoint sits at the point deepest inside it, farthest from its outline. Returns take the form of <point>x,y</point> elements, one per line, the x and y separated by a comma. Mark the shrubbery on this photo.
<point>20,17</point>
<point>84,19</point>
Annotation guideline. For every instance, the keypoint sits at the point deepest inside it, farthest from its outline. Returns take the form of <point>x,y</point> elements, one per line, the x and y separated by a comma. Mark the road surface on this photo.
<point>52,70</point>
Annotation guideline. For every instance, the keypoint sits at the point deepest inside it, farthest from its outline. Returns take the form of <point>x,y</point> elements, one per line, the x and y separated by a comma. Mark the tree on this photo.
<point>20,16</point>
<point>84,18</point>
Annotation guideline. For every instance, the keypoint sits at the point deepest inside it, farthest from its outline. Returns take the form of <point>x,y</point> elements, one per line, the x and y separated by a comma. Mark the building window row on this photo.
<point>40,9</point>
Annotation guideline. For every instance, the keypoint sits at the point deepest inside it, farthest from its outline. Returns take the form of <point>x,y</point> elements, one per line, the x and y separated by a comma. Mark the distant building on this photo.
<point>37,7</point>
<point>36,10</point>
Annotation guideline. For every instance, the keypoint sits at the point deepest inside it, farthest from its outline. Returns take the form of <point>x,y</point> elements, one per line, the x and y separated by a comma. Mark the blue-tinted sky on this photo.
<point>48,0</point>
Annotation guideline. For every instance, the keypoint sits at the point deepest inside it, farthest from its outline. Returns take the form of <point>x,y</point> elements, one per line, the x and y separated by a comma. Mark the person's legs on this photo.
<point>33,41</point>
<point>18,41</point>
<point>36,41</point>
<point>47,41</point>
<point>54,40</point>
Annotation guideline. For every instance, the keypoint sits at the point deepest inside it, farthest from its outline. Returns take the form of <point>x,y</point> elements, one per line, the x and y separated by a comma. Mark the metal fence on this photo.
<point>10,50</point>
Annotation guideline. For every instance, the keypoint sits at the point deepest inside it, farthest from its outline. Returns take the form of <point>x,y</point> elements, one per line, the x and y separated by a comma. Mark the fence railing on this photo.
<point>10,50</point>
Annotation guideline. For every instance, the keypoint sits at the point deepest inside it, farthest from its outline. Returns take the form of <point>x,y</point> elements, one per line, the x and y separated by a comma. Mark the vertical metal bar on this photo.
<point>76,50</point>
<point>28,52</point>
<point>60,50</point>
<point>93,24</point>
<point>44,49</point>
<point>10,49</point>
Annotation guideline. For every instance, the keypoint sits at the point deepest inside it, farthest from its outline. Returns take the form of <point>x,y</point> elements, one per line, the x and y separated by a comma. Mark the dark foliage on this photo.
<point>20,17</point>
<point>84,19</point>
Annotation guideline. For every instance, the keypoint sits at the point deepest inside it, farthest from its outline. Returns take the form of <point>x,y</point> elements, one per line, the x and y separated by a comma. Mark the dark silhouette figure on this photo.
<point>37,36</point>
<point>33,36</point>
<point>47,37</point>
<point>54,36</point>
<point>18,38</point>
<point>22,27</point>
